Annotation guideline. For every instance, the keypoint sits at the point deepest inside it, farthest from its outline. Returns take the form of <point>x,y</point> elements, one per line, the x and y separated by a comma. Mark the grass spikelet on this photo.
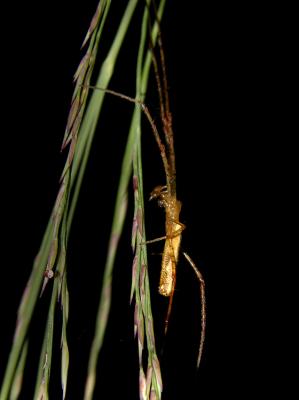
<point>142,293</point>
<point>51,261</point>
<point>53,243</point>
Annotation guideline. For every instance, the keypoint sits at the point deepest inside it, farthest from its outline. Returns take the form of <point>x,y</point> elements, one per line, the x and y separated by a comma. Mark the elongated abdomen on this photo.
<point>168,267</point>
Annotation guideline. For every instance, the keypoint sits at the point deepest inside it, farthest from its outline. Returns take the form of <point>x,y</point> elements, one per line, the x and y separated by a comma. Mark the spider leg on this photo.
<point>203,306</point>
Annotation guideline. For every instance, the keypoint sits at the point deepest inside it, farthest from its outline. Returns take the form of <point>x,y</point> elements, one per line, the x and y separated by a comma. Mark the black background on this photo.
<point>220,83</point>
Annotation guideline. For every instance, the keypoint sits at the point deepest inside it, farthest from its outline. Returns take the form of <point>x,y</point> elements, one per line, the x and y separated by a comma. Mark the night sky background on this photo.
<point>218,85</point>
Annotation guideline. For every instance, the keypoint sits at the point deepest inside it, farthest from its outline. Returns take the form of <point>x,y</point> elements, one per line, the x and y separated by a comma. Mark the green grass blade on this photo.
<point>64,344</point>
<point>118,220</point>
<point>42,382</point>
<point>25,311</point>
<point>150,385</point>
<point>18,378</point>
<point>89,123</point>
<point>78,136</point>
<point>48,251</point>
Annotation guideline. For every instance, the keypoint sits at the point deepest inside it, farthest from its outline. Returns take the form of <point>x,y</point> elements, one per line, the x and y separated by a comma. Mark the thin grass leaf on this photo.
<point>33,286</point>
<point>25,311</point>
<point>42,382</point>
<point>62,293</point>
<point>121,199</point>
<point>18,378</point>
<point>153,382</point>
<point>64,344</point>
<point>79,135</point>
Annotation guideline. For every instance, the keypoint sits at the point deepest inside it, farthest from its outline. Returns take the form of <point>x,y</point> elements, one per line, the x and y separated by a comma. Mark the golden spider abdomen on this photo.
<point>168,267</point>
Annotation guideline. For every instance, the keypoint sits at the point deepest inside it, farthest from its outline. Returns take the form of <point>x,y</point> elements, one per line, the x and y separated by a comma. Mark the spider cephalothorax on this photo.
<point>161,194</point>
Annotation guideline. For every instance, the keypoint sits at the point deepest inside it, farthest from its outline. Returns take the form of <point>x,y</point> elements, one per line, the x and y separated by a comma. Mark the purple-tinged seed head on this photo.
<point>142,276</point>
<point>134,269</point>
<point>134,233</point>
<point>140,220</point>
<point>156,366</point>
<point>94,22</point>
<point>135,183</point>
<point>82,67</point>
<point>151,331</point>
<point>153,394</point>
<point>149,374</point>
<point>135,319</point>
<point>142,384</point>
<point>73,113</point>
<point>140,330</point>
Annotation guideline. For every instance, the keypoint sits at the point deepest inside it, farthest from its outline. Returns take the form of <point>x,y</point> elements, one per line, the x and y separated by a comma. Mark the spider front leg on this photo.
<point>177,232</point>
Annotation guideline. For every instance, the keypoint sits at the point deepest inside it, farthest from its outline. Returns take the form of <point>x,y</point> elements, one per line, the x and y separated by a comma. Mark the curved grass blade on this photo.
<point>48,251</point>
<point>155,384</point>
<point>151,386</point>
<point>44,370</point>
<point>18,378</point>
<point>53,247</point>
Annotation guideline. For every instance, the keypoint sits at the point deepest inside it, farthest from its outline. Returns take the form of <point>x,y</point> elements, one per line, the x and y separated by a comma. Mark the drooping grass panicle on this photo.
<point>53,248</point>
<point>142,307</point>
<point>150,383</point>
<point>51,259</point>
